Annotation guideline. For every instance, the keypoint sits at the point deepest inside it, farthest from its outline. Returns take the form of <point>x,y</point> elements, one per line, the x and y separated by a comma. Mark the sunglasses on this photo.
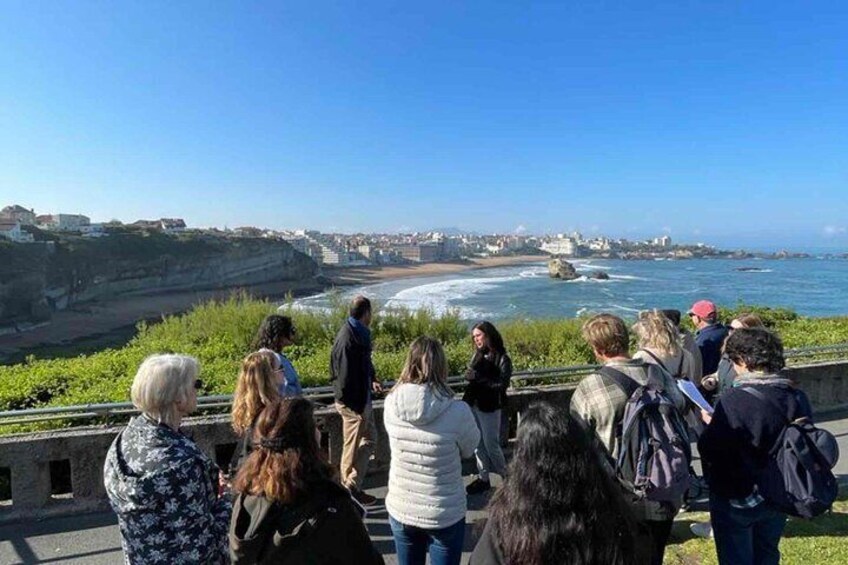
<point>198,384</point>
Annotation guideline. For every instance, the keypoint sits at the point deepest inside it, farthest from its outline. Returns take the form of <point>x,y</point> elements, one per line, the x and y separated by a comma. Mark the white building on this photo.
<point>11,230</point>
<point>330,256</point>
<point>299,242</point>
<point>172,225</point>
<point>560,246</point>
<point>664,241</point>
<point>600,244</point>
<point>63,222</point>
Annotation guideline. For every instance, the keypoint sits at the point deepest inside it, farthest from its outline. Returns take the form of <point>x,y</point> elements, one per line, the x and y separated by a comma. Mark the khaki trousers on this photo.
<point>359,433</point>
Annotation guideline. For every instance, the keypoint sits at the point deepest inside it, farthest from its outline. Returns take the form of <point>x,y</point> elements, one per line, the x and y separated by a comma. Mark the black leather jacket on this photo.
<point>488,378</point>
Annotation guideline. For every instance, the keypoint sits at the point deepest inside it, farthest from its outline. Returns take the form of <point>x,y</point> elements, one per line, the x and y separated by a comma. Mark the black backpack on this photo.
<point>798,479</point>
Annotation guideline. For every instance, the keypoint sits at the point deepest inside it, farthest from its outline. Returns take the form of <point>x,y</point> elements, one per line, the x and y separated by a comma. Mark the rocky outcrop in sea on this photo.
<point>559,268</point>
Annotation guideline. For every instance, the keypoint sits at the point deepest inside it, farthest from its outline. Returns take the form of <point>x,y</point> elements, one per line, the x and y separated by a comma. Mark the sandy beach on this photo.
<point>99,324</point>
<point>367,275</point>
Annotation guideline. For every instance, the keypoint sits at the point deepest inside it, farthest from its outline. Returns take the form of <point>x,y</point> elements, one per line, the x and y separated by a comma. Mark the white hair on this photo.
<point>161,382</point>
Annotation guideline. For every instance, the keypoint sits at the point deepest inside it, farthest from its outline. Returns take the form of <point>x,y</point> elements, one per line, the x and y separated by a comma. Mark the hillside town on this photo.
<point>22,225</point>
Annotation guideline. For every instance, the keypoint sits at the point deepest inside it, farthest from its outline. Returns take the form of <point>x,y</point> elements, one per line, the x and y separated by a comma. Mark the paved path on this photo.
<point>93,539</point>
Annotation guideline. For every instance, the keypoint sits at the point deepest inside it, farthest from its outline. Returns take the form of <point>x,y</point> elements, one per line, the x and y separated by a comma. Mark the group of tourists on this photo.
<point>597,482</point>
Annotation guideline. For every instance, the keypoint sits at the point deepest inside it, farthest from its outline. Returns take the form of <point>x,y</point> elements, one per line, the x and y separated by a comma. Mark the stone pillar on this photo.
<point>30,484</point>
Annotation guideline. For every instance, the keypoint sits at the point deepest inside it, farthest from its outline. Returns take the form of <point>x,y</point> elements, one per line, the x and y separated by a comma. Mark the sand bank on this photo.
<point>367,275</point>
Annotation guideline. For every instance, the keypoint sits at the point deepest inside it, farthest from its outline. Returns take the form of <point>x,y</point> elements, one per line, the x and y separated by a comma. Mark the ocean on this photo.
<point>812,287</point>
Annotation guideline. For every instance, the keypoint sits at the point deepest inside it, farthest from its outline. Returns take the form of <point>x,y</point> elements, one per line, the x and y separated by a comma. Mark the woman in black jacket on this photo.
<point>289,507</point>
<point>488,374</point>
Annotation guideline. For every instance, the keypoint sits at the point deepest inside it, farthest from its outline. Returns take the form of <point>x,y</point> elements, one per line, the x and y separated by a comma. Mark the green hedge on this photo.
<point>220,333</point>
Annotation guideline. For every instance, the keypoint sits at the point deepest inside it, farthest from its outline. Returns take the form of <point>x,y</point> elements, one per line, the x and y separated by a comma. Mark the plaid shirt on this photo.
<point>600,405</point>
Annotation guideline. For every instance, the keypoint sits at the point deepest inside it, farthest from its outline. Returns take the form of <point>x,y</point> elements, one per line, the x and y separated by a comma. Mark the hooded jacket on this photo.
<point>325,529</point>
<point>165,493</point>
<point>429,434</point>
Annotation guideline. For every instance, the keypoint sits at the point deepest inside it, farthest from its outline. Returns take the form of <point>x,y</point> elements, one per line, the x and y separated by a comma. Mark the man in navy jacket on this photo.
<point>710,335</point>
<point>354,381</point>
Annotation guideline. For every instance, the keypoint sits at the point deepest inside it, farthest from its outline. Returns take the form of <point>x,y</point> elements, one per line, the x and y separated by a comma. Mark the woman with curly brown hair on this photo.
<point>289,507</point>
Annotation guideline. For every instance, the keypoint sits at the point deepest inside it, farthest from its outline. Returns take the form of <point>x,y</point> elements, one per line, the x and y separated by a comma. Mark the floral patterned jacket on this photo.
<point>165,493</point>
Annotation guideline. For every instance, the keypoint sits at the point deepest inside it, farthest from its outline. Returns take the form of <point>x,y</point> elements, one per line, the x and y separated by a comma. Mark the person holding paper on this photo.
<point>599,401</point>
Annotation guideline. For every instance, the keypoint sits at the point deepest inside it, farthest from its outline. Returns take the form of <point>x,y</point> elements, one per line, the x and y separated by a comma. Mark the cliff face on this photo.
<point>38,279</point>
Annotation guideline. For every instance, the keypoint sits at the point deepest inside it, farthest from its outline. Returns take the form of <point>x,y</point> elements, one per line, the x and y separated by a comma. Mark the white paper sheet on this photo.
<point>690,390</point>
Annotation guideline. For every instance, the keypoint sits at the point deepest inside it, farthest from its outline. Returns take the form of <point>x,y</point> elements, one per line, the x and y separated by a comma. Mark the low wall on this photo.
<point>38,462</point>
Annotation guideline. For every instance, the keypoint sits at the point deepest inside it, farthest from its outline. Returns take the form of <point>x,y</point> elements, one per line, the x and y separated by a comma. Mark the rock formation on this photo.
<point>561,269</point>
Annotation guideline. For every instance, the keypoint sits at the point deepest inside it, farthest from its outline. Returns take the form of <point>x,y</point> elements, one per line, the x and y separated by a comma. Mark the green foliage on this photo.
<point>221,333</point>
<point>771,317</point>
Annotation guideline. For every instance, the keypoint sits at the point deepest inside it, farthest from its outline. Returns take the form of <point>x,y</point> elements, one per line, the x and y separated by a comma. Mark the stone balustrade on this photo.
<point>39,464</point>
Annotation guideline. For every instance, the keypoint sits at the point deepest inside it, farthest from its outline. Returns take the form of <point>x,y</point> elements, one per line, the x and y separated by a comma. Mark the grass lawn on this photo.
<point>822,541</point>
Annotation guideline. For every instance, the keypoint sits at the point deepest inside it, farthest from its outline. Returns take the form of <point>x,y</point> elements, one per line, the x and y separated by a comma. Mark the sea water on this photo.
<point>813,287</point>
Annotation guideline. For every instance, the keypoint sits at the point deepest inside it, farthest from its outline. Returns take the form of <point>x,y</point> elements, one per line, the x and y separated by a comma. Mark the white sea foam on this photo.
<point>533,273</point>
<point>580,266</point>
<point>755,270</point>
<point>625,308</point>
<point>628,278</point>
<point>442,296</point>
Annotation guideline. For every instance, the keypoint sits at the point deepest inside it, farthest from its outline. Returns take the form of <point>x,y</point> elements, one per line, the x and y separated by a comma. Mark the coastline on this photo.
<point>99,324</point>
<point>355,276</point>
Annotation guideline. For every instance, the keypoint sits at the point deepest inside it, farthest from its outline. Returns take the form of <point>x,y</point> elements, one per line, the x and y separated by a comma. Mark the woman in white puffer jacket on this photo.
<point>429,433</point>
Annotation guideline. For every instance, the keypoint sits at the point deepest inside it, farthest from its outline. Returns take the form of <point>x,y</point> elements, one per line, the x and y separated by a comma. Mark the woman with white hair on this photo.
<point>164,490</point>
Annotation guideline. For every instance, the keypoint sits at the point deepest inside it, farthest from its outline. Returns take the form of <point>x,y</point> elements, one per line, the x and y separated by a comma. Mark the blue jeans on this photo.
<point>413,544</point>
<point>746,536</point>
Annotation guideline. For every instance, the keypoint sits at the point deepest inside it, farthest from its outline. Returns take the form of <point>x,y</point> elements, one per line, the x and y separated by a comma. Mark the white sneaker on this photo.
<point>702,529</point>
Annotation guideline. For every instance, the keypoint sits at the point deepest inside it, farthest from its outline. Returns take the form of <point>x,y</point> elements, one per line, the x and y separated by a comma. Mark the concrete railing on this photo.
<point>40,464</point>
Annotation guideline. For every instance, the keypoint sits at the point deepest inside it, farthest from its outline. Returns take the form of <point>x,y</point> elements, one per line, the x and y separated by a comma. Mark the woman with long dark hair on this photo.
<point>275,333</point>
<point>488,378</point>
<point>289,507</point>
<point>558,504</point>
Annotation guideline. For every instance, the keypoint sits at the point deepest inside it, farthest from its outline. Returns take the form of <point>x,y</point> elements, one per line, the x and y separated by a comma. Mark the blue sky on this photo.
<point>724,122</point>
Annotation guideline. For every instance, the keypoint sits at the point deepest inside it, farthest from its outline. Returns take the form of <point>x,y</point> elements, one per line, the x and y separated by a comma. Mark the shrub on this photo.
<point>221,333</point>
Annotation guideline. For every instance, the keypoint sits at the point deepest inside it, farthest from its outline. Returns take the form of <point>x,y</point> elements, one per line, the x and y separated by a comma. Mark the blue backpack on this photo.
<point>798,479</point>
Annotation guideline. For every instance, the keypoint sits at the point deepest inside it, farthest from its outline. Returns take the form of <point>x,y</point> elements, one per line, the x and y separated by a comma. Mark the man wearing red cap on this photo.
<point>710,335</point>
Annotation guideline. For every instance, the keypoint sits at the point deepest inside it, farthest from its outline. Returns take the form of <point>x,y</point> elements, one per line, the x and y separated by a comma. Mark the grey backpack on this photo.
<point>653,446</point>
